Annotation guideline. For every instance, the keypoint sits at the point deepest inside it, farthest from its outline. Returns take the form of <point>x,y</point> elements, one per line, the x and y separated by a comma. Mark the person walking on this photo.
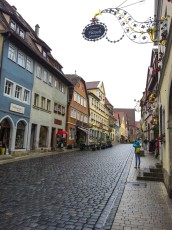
<point>137,147</point>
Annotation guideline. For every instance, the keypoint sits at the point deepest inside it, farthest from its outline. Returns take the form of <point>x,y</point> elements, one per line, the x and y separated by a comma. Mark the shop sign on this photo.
<point>94,31</point>
<point>57,122</point>
<point>17,108</point>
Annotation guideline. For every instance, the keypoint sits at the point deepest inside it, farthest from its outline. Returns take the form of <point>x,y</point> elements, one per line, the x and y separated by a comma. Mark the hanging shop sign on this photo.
<point>94,31</point>
<point>138,32</point>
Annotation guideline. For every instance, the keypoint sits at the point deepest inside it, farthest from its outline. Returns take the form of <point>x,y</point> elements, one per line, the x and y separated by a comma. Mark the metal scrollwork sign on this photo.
<point>138,32</point>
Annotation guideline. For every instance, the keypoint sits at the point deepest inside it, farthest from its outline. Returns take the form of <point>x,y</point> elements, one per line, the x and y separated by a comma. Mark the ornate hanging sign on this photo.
<point>138,32</point>
<point>94,31</point>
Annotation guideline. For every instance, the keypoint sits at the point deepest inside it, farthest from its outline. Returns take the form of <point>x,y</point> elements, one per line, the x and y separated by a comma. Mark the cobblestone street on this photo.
<point>77,190</point>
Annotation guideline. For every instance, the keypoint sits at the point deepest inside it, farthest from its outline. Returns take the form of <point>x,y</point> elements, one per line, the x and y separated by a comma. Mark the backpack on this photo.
<point>137,150</point>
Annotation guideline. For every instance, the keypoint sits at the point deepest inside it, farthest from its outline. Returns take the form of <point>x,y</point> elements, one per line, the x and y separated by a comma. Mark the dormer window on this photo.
<point>13,25</point>
<point>21,33</point>
<point>16,28</point>
<point>44,54</point>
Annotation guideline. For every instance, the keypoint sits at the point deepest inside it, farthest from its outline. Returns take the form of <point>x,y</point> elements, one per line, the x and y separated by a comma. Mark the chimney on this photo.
<point>37,30</point>
<point>14,8</point>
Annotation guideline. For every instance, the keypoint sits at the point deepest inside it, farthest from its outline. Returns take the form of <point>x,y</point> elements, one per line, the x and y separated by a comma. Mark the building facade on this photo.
<point>149,102</point>
<point>163,10</point>
<point>128,121</point>
<point>34,90</point>
<point>77,112</point>
<point>99,113</point>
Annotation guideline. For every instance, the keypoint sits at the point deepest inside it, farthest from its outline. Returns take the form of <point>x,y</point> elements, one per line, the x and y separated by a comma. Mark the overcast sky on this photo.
<point>122,66</point>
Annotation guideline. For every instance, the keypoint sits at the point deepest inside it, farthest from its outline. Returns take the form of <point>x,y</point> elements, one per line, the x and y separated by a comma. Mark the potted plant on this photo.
<point>81,143</point>
<point>93,147</point>
<point>98,146</point>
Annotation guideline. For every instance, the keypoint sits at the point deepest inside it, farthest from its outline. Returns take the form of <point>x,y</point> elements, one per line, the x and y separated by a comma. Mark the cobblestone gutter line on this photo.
<point>106,219</point>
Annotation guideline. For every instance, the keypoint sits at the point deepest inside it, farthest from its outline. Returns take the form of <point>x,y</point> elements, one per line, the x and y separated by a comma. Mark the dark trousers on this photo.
<point>137,158</point>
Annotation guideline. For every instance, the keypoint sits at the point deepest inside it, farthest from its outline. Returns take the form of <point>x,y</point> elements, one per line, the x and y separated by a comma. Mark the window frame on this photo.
<point>30,66</point>
<point>18,92</point>
<point>9,88</point>
<point>12,53</point>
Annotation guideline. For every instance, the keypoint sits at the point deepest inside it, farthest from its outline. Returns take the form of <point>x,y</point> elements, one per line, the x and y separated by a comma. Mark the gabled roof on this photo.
<point>73,78</point>
<point>92,84</point>
<point>30,41</point>
<point>107,102</point>
<point>130,115</point>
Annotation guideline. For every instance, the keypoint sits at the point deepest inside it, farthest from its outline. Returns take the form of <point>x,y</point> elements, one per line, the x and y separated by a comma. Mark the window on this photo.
<point>71,134</point>
<point>48,105</point>
<point>12,53</point>
<point>38,71</point>
<point>21,59</point>
<point>85,119</point>
<point>63,110</point>
<point>13,25</point>
<point>78,99</point>
<point>26,96</point>
<point>21,33</point>
<point>85,103</point>
<point>73,113</point>
<point>29,64</point>
<point>78,116</point>
<point>75,96</point>
<point>18,92</point>
<point>43,102</point>
<point>59,109</point>
<point>81,117</point>
<point>61,87</point>
<point>45,76</point>
<point>50,80</point>
<point>55,107</point>
<point>82,101</point>
<point>56,84</point>
<point>8,88</point>
<point>44,54</point>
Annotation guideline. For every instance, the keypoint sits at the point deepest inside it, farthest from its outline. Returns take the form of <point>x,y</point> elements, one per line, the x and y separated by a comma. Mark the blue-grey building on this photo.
<point>27,69</point>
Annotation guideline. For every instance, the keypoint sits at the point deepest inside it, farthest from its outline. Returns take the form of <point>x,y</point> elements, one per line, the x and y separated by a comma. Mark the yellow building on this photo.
<point>163,10</point>
<point>99,113</point>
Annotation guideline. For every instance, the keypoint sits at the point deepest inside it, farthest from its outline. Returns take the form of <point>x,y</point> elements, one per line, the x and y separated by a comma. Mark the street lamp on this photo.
<point>137,106</point>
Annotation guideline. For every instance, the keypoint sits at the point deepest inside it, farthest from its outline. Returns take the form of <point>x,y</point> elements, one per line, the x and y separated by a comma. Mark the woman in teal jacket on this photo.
<point>137,155</point>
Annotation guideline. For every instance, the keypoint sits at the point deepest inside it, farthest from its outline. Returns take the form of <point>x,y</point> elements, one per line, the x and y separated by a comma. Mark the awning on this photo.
<point>84,130</point>
<point>62,132</point>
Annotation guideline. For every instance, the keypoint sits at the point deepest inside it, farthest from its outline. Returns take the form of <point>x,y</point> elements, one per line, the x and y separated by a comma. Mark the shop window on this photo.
<point>19,144</point>
<point>43,136</point>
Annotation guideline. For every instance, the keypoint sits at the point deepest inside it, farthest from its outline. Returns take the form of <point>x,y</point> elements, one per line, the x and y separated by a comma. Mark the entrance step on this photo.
<point>150,174</point>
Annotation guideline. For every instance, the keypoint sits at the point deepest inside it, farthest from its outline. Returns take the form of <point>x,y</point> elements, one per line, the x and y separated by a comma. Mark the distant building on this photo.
<point>129,122</point>
<point>99,112</point>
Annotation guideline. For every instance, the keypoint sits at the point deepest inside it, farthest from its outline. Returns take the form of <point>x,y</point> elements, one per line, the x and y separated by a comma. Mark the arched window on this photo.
<point>20,135</point>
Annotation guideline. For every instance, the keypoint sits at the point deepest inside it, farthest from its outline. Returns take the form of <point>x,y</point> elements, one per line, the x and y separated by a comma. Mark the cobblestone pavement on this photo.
<point>77,190</point>
<point>145,205</point>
